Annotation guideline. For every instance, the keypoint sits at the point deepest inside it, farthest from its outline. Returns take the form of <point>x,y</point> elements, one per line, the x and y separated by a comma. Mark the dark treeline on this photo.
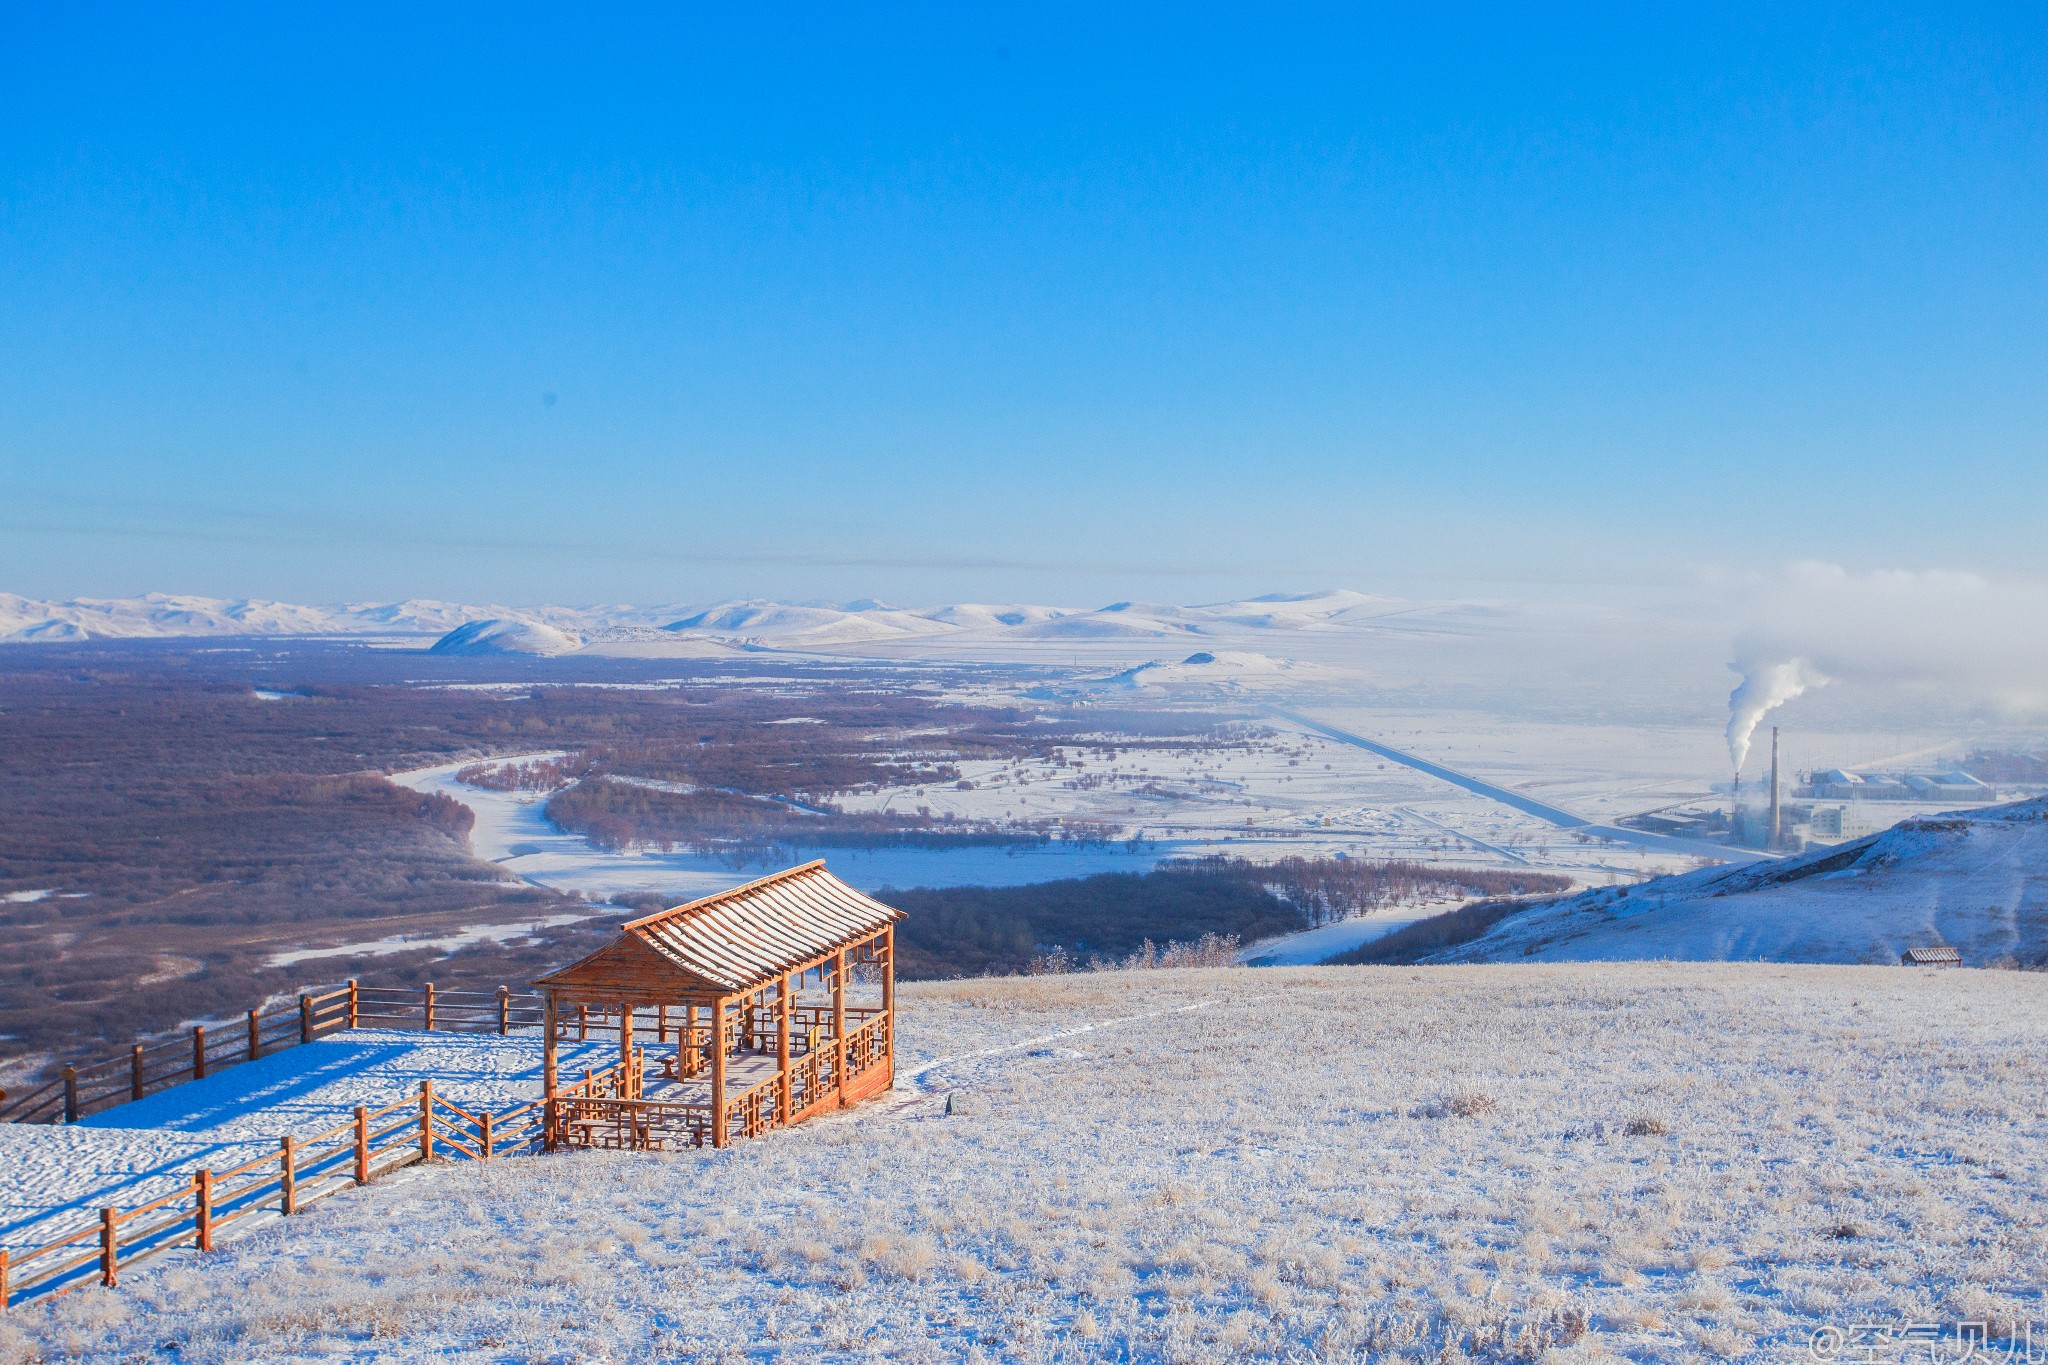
<point>1433,935</point>
<point>990,930</point>
<point>978,930</point>
<point>1328,889</point>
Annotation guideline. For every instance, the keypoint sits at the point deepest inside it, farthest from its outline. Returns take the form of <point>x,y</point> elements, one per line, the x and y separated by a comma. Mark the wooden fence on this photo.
<point>303,1171</point>
<point>605,1109</point>
<point>147,1068</point>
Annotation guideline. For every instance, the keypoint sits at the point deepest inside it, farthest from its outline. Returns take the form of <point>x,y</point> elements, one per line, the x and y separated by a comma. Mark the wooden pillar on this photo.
<point>783,1099</point>
<point>483,1124</point>
<point>288,1185</point>
<point>199,1052</point>
<point>427,1007</point>
<point>547,1052</point>
<point>582,1023</point>
<point>839,1024</point>
<point>352,1002</point>
<point>689,1057</point>
<point>71,1094</point>
<point>625,1036</point>
<point>887,1027</point>
<point>718,1072</point>
<point>427,1119</point>
<point>255,1036</point>
<point>504,1010</point>
<point>135,1072</point>
<point>661,1024</point>
<point>305,1018</point>
<point>110,1247</point>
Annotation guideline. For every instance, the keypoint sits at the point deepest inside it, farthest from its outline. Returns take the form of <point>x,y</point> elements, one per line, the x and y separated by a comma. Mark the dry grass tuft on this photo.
<point>1458,1104</point>
<point>1647,1125</point>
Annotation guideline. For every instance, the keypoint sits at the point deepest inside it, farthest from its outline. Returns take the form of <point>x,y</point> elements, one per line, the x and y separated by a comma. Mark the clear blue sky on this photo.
<point>675,303</point>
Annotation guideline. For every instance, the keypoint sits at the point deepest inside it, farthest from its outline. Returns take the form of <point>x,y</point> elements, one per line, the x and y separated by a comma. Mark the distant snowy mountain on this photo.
<point>753,623</point>
<point>779,624</point>
<point>1975,880</point>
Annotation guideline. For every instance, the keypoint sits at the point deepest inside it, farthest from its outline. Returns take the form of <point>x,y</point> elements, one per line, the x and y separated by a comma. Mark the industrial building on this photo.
<point>1839,784</point>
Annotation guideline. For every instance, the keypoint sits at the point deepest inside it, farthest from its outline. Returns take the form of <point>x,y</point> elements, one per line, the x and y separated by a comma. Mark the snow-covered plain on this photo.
<point>1671,1163</point>
<point>1975,880</point>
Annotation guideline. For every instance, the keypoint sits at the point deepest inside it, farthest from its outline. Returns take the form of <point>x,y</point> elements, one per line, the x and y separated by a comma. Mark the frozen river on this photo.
<point>512,832</point>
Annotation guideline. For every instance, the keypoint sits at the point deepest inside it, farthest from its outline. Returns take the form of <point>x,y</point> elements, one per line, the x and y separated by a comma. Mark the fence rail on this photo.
<point>303,1171</point>
<point>146,1068</point>
<point>605,1109</point>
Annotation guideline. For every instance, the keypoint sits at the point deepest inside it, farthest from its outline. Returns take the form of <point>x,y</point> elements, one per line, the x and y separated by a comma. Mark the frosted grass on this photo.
<point>1572,1162</point>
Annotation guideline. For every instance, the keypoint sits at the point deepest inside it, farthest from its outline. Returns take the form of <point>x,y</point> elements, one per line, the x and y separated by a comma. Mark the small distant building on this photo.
<point>1832,823</point>
<point>1939,956</point>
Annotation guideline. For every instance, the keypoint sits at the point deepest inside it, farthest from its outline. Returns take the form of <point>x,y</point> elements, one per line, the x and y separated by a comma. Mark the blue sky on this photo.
<point>671,304</point>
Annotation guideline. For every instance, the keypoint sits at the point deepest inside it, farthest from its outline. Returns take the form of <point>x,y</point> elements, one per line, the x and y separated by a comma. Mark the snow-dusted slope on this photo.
<point>1975,880</point>
<point>779,624</point>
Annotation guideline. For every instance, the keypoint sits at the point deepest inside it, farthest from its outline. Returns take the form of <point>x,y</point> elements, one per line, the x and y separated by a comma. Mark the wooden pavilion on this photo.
<point>748,998</point>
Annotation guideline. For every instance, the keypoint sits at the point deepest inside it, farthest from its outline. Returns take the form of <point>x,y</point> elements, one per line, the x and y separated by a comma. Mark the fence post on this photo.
<point>288,1187</point>
<point>504,1009</point>
<point>202,1220</point>
<point>135,1072</point>
<point>199,1052</point>
<point>110,1245</point>
<point>351,1002</point>
<point>583,1023</point>
<point>484,1124</point>
<point>362,1145</point>
<point>3,1279</point>
<point>427,1119</point>
<point>71,1094</point>
<point>427,1007</point>
<point>255,1037</point>
<point>305,1018</point>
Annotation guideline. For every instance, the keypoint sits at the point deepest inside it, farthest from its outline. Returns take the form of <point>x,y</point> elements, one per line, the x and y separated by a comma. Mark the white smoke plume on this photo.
<point>1959,641</point>
<point>1764,688</point>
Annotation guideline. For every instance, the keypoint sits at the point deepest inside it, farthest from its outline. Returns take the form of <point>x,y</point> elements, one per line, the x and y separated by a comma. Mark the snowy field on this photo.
<point>1583,1162</point>
<point>54,1178</point>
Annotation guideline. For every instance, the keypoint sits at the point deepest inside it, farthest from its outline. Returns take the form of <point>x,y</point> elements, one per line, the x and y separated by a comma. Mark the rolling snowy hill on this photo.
<point>1974,880</point>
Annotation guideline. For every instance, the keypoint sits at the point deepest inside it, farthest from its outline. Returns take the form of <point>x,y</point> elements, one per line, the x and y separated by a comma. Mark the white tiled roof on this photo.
<point>740,938</point>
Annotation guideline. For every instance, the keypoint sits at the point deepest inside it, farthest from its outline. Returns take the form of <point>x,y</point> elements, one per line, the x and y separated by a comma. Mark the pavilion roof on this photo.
<point>740,938</point>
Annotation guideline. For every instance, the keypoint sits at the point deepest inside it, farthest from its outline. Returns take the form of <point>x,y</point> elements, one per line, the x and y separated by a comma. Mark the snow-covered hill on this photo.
<point>1974,880</point>
<point>511,636</point>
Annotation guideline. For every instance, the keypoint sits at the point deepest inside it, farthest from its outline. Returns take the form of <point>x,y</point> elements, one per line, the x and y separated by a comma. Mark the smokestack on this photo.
<point>1777,828</point>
